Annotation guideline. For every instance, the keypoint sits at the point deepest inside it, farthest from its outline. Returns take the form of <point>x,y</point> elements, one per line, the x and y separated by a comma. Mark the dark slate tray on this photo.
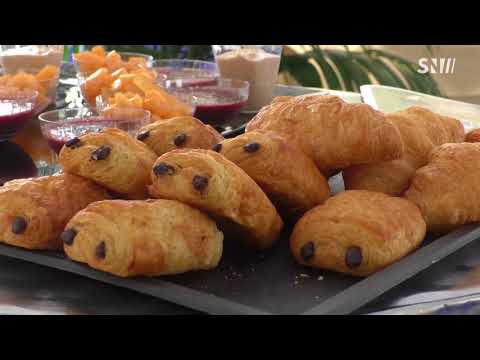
<point>269,282</point>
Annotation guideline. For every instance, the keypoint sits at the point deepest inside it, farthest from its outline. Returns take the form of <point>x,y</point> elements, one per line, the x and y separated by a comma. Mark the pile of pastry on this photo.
<point>163,202</point>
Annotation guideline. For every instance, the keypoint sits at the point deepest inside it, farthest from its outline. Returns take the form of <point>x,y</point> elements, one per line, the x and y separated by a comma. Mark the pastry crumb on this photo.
<point>305,276</point>
<point>320,278</point>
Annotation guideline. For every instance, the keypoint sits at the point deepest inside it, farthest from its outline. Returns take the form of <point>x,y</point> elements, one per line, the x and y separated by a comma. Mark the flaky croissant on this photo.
<point>110,158</point>
<point>211,182</point>
<point>33,212</point>
<point>422,130</point>
<point>178,133</point>
<point>333,133</point>
<point>357,232</point>
<point>473,136</point>
<point>447,189</point>
<point>284,172</point>
<point>152,237</point>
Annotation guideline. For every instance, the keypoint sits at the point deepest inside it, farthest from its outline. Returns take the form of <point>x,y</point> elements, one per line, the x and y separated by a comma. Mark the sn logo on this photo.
<point>436,65</point>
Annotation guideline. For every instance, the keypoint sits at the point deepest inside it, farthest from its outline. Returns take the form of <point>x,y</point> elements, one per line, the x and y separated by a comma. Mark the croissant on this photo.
<point>110,158</point>
<point>210,182</point>
<point>284,172</point>
<point>152,237</point>
<point>178,132</point>
<point>447,189</point>
<point>473,136</point>
<point>333,133</point>
<point>422,130</point>
<point>33,212</point>
<point>357,232</point>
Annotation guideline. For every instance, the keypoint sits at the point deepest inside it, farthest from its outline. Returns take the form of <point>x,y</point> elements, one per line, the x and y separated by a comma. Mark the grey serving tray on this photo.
<point>269,282</point>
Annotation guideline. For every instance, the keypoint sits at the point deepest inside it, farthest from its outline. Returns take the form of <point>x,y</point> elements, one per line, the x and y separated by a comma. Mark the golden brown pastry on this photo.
<point>33,212</point>
<point>209,181</point>
<point>335,134</point>
<point>284,172</point>
<point>447,189</point>
<point>357,232</point>
<point>473,136</point>
<point>178,132</point>
<point>422,130</point>
<point>152,237</point>
<point>110,158</point>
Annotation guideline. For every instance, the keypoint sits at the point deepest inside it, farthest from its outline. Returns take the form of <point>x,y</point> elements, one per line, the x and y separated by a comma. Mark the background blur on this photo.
<point>346,67</point>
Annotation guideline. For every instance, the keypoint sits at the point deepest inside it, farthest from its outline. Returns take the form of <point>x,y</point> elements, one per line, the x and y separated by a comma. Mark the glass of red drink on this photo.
<point>60,126</point>
<point>216,103</point>
<point>16,108</point>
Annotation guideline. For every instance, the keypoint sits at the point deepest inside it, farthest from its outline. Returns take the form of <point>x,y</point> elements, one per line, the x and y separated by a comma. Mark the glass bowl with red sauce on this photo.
<point>185,72</point>
<point>60,126</point>
<point>16,108</point>
<point>216,103</point>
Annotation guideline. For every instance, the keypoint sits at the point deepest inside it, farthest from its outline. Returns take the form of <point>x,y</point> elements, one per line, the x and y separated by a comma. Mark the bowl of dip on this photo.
<point>16,108</point>
<point>216,103</point>
<point>185,73</point>
<point>61,126</point>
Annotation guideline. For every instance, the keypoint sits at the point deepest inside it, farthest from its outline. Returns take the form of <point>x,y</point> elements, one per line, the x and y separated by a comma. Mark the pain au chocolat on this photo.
<point>211,182</point>
<point>34,212</point>
<point>422,130</point>
<point>332,132</point>
<point>111,158</point>
<point>151,238</point>
<point>182,132</point>
<point>283,171</point>
<point>357,232</point>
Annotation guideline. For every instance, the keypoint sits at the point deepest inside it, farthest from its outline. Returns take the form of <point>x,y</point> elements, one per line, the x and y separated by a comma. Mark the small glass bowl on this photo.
<point>184,72</point>
<point>125,56</point>
<point>60,126</point>
<point>216,103</point>
<point>29,58</point>
<point>16,108</point>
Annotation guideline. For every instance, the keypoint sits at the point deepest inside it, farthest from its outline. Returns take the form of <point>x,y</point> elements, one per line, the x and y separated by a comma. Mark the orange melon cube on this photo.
<point>136,101</point>
<point>128,83</point>
<point>96,82</point>
<point>99,50</point>
<point>122,71</point>
<point>47,73</point>
<point>89,62</point>
<point>120,100</point>
<point>23,80</point>
<point>113,61</point>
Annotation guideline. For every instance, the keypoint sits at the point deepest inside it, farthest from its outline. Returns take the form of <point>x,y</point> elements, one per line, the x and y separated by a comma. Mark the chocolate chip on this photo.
<point>101,153</point>
<point>68,236</point>
<point>307,251</point>
<point>142,136</point>
<point>199,182</point>
<point>180,139</point>
<point>251,147</point>
<point>217,147</point>
<point>163,169</point>
<point>100,250</point>
<point>73,143</point>
<point>19,225</point>
<point>353,257</point>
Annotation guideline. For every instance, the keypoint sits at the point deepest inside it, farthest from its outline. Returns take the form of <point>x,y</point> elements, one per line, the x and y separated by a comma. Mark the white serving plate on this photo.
<point>391,99</point>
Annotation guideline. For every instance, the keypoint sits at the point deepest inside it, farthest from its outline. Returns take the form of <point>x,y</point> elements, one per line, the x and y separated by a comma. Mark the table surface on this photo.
<point>450,286</point>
